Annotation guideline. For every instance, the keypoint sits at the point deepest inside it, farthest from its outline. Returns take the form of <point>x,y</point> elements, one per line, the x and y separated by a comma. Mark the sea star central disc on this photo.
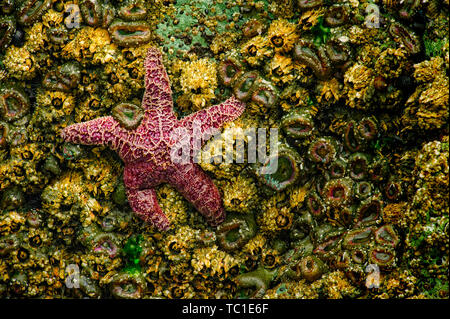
<point>146,149</point>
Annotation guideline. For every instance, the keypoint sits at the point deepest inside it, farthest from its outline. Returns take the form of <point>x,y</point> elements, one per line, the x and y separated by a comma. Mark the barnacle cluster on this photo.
<point>357,206</point>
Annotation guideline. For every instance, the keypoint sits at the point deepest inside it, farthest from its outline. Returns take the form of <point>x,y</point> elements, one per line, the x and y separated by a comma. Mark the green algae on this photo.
<point>132,251</point>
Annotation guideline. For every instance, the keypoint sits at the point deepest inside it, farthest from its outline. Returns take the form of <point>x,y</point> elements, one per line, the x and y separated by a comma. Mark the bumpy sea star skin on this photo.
<point>146,149</point>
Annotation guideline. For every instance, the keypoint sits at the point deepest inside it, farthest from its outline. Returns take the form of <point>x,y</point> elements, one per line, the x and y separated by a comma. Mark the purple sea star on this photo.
<point>146,149</point>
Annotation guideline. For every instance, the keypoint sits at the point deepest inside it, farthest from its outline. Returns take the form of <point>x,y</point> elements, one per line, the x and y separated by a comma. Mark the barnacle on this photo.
<point>330,91</point>
<point>178,247</point>
<point>274,217</point>
<point>294,96</point>
<point>281,69</point>
<point>282,35</point>
<point>256,50</point>
<point>68,197</point>
<point>240,194</point>
<point>310,18</point>
<point>19,63</point>
<point>358,78</point>
<point>52,107</point>
<point>91,43</point>
<point>198,81</point>
<point>54,15</point>
<point>173,205</point>
<point>213,261</point>
<point>100,175</point>
<point>391,63</point>
<point>427,107</point>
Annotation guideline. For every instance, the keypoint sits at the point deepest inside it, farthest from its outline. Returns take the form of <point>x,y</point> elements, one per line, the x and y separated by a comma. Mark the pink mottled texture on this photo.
<point>146,149</point>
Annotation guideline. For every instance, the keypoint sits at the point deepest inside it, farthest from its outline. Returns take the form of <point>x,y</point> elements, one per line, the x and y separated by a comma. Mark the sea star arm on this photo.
<point>198,188</point>
<point>95,132</point>
<point>145,204</point>
<point>157,85</point>
<point>213,117</point>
